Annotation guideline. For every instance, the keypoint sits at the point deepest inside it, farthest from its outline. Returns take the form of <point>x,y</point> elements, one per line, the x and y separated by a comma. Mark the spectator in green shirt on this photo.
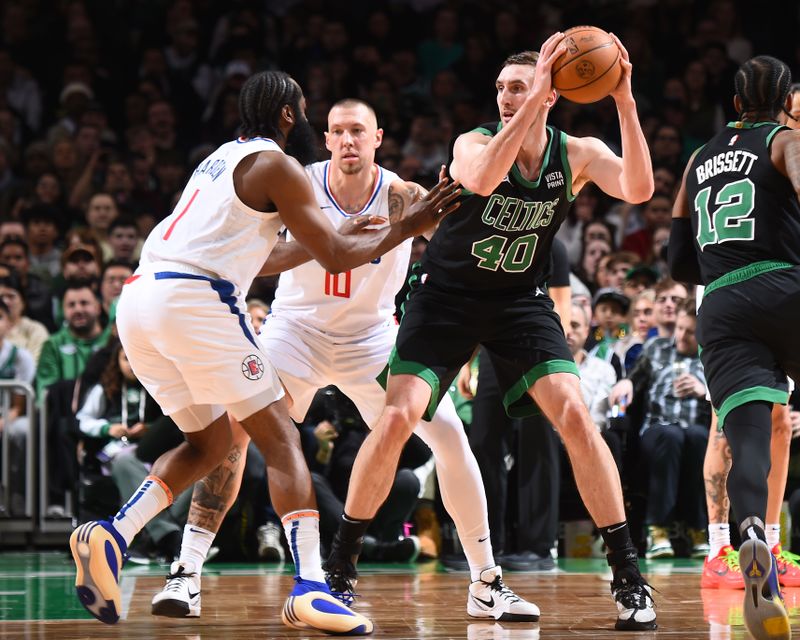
<point>66,352</point>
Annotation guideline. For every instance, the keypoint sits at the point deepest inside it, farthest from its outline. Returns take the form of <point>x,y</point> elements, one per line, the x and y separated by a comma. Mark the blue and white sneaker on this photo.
<point>99,552</point>
<point>310,604</point>
<point>764,613</point>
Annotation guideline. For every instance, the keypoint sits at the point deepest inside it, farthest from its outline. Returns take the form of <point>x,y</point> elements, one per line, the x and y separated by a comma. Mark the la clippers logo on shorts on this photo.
<point>252,367</point>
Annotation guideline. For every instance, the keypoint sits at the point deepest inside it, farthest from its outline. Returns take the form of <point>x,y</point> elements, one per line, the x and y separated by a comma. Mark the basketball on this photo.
<point>589,69</point>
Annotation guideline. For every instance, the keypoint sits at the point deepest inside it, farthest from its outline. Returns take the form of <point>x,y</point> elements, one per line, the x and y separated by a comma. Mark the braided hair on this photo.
<point>762,84</point>
<point>261,100</point>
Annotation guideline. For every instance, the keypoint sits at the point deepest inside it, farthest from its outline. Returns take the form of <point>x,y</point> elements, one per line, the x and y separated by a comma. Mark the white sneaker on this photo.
<point>270,547</point>
<point>490,598</point>
<point>180,597</point>
<point>635,606</point>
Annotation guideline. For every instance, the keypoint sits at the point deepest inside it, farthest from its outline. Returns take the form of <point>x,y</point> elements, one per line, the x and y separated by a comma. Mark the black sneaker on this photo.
<point>635,605</point>
<point>342,577</point>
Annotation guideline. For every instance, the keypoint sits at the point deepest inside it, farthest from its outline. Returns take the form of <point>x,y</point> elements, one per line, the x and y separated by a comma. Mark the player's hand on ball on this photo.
<point>429,210</point>
<point>542,89</point>
<point>624,89</point>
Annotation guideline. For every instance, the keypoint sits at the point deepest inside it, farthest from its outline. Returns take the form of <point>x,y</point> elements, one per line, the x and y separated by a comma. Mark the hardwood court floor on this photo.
<point>37,601</point>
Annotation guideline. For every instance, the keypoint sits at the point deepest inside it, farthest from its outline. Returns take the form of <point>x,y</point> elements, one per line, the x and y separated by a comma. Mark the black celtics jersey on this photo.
<point>500,244</point>
<point>743,210</point>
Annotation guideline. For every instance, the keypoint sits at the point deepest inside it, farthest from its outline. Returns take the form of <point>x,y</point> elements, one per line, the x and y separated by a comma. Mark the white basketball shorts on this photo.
<point>307,360</point>
<point>190,342</point>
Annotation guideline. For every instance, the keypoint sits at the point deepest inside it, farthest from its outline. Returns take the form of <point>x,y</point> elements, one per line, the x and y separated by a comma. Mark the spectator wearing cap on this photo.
<point>638,278</point>
<point>42,227</point>
<point>73,101</point>
<point>23,332</point>
<point>609,308</point>
<point>669,379</point>
<point>78,262</point>
<point>14,253</point>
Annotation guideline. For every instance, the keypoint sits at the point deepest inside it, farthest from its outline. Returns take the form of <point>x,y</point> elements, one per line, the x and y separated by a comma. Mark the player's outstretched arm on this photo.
<point>481,162</point>
<point>274,178</point>
<point>288,254</point>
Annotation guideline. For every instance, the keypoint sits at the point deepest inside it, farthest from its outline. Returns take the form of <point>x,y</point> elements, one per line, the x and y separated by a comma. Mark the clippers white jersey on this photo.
<point>212,229</point>
<point>353,302</point>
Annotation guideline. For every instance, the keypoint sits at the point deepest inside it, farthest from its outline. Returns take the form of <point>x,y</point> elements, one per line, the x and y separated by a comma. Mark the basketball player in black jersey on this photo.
<point>481,281</point>
<point>736,229</point>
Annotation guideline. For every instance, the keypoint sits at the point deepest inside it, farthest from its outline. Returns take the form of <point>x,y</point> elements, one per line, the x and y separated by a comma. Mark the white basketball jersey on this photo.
<point>212,229</point>
<point>355,301</point>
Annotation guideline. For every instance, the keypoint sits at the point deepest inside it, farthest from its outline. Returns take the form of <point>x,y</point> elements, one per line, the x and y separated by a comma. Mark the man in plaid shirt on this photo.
<point>675,431</point>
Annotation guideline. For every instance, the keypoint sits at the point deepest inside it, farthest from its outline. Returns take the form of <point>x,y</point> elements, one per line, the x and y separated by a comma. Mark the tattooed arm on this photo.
<point>214,494</point>
<point>401,196</point>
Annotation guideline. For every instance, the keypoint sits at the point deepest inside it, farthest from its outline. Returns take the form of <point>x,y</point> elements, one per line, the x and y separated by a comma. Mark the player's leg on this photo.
<point>407,398</point>
<point>721,567</point>
<point>558,396</point>
<point>464,498</point>
<point>788,563</point>
<point>292,493</point>
<point>744,381</point>
<point>212,498</point>
<point>99,547</point>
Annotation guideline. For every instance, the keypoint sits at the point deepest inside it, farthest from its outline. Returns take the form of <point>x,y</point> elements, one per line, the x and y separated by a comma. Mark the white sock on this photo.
<point>773,533</point>
<point>302,532</point>
<point>719,535</point>
<point>150,499</point>
<point>460,484</point>
<point>195,544</point>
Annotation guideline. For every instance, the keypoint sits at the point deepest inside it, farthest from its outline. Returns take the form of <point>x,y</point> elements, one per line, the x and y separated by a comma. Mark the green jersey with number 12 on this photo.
<point>743,209</point>
<point>500,244</point>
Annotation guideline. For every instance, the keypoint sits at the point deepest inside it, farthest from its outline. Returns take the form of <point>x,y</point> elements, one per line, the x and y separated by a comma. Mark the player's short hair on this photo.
<point>762,84</point>
<point>347,103</point>
<point>795,88</point>
<point>523,57</point>
<point>261,100</point>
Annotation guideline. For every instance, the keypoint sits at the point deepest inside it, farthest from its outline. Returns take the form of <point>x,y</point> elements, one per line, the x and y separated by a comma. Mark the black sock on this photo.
<point>622,555</point>
<point>350,537</point>
<point>616,536</point>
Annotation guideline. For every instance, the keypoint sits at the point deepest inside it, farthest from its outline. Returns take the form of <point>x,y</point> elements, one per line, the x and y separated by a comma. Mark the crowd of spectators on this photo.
<point>98,137</point>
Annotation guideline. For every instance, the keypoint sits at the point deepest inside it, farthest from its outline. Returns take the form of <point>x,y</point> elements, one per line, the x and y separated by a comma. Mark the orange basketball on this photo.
<point>589,69</point>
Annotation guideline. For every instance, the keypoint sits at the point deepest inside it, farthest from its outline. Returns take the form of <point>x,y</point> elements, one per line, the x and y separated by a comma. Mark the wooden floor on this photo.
<point>414,602</point>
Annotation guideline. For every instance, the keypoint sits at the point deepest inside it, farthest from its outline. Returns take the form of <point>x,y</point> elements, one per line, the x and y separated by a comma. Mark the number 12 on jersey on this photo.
<point>729,221</point>
<point>338,284</point>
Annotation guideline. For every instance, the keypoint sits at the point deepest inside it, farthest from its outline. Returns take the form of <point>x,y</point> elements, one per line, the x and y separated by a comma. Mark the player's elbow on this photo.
<point>642,192</point>
<point>478,185</point>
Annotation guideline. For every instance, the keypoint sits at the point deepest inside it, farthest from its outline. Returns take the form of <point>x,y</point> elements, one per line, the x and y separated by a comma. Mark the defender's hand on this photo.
<point>360,224</point>
<point>429,210</point>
